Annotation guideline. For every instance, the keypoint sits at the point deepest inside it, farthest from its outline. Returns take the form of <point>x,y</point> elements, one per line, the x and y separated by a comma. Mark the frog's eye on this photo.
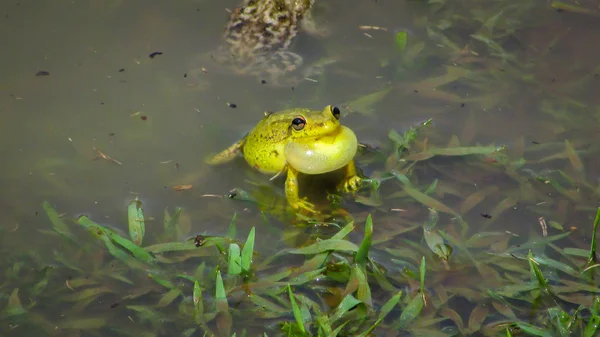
<point>298,123</point>
<point>335,112</point>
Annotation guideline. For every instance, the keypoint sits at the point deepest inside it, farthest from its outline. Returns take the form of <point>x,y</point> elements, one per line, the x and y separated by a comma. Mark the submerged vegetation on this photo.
<point>434,277</point>
<point>447,238</point>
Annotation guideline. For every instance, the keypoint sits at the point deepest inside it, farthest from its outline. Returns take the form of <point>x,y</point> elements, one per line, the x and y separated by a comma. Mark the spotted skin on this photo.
<point>257,38</point>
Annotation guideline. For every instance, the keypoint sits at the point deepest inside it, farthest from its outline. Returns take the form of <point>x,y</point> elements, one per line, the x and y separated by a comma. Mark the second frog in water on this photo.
<point>258,36</point>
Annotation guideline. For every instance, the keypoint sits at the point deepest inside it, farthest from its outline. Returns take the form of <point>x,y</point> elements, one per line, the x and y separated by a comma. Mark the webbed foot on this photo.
<point>304,206</point>
<point>352,184</point>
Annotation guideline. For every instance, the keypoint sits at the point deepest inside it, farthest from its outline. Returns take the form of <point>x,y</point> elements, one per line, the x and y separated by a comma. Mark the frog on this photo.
<point>299,141</point>
<point>258,36</point>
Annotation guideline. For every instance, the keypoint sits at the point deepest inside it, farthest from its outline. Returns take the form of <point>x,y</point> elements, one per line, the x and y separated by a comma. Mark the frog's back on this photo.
<point>261,27</point>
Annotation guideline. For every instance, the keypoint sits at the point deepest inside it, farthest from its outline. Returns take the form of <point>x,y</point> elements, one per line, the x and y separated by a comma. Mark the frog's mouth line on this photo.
<point>328,137</point>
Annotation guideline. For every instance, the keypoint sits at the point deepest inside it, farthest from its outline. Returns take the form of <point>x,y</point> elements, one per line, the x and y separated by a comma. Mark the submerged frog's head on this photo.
<point>300,6</point>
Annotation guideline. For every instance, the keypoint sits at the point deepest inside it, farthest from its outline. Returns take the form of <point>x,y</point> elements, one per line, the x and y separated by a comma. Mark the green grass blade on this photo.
<point>223,317</point>
<point>170,223</point>
<point>137,226</point>
<point>137,251</point>
<point>296,310</point>
<point>198,303</point>
<point>412,311</point>
<point>533,330</point>
<point>269,306</point>
<point>365,103</point>
<point>414,307</point>
<point>455,151</point>
<point>577,252</point>
<point>232,231</point>
<point>326,245</point>
<point>434,240</point>
<point>59,225</point>
<point>432,220</point>
<point>401,38</point>
<point>171,247</point>
<point>558,5</point>
<point>122,255</point>
<point>344,231</point>
<point>425,199</point>
<point>168,298</point>
<point>14,306</point>
<point>347,304</point>
<point>220,295</point>
<point>363,251</point>
<point>41,285</point>
<point>390,305</point>
<point>422,275</point>
<point>337,330</point>
<point>163,282</point>
<point>359,277</point>
<point>248,250</point>
<point>383,312</point>
<point>592,259</point>
<point>536,272</point>
<point>592,326</point>
<point>140,253</point>
<point>234,264</point>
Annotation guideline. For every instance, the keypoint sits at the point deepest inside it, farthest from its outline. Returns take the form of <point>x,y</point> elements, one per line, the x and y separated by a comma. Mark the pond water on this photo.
<point>106,101</point>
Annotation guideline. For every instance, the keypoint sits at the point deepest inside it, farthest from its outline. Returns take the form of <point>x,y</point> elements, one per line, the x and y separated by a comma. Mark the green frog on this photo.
<point>258,36</point>
<point>299,141</point>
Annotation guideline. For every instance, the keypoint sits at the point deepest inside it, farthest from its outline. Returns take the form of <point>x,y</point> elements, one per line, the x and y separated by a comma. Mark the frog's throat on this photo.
<point>322,154</point>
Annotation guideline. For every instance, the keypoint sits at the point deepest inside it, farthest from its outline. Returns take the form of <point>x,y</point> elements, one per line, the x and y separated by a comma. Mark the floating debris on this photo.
<point>154,54</point>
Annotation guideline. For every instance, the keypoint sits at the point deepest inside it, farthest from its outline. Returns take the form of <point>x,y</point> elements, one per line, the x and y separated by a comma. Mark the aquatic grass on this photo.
<point>137,226</point>
<point>353,267</point>
<point>593,258</point>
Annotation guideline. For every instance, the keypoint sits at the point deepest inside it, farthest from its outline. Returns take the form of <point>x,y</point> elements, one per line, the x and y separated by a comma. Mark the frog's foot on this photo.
<point>302,205</point>
<point>352,184</point>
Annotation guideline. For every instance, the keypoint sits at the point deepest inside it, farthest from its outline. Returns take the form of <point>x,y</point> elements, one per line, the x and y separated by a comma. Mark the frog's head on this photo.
<point>318,143</point>
<point>315,124</point>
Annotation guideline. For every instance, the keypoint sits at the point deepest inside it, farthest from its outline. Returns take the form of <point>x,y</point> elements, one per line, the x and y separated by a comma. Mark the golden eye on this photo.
<point>298,123</point>
<point>335,112</point>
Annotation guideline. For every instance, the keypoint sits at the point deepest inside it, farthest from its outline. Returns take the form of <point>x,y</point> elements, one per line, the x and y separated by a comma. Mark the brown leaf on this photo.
<point>182,187</point>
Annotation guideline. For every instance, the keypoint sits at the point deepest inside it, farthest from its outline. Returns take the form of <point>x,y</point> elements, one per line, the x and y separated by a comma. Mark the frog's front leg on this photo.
<point>226,155</point>
<point>352,181</point>
<point>292,193</point>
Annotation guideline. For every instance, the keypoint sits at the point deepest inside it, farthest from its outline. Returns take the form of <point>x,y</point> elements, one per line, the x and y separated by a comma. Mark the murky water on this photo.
<point>101,94</point>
